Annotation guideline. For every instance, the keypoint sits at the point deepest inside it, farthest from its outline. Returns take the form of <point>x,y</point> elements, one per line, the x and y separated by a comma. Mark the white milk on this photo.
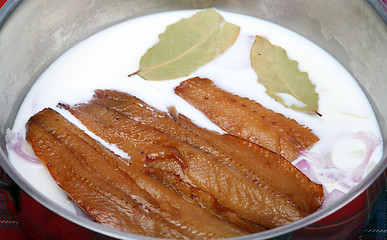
<point>348,128</point>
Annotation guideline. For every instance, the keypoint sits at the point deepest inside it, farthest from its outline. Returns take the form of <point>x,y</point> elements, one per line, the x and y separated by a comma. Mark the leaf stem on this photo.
<point>135,73</point>
<point>318,114</point>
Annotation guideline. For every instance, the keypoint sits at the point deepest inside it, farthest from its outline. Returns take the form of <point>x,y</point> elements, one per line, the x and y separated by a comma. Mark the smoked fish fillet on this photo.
<point>142,112</point>
<point>246,118</point>
<point>262,166</point>
<point>113,192</point>
<point>258,164</point>
<point>155,151</point>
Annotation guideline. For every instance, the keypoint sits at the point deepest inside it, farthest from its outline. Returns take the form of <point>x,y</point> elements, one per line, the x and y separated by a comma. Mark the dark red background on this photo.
<point>2,2</point>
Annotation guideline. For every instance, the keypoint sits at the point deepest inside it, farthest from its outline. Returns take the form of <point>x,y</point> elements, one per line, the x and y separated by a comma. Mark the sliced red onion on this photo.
<point>345,185</point>
<point>318,159</point>
<point>371,142</point>
<point>304,167</point>
<point>332,196</point>
<point>15,142</point>
<point>346,179</point>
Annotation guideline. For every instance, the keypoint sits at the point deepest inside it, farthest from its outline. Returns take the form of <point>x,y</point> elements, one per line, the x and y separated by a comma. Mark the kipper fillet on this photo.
<point>257,163</point>
<point>246,118</point>
<point>113,192</point>
<point>154,150</point>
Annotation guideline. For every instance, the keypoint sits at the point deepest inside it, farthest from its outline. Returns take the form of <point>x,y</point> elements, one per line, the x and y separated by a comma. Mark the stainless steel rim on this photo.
<point>377,172</point>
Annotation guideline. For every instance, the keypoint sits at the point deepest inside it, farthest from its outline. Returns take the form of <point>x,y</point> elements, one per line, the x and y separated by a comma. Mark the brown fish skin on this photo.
<point>257,163</point>
<point>99,182</point>
<point>262,166</point>
<point>259,205</point>
<point>246,118</point>
<point>101,199</point>
<point>201,198</point>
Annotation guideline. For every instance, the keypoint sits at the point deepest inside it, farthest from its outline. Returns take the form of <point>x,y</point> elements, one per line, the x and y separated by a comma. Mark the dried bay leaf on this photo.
<point>187,45</point>
<point>280,75</point>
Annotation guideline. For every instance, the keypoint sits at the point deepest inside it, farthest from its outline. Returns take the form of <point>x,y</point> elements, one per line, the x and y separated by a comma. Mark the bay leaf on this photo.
<point>281,75</point>
<point>186,45</point>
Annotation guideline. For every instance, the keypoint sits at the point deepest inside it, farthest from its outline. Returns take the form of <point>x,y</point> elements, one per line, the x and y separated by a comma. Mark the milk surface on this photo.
<point>350,139</point>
